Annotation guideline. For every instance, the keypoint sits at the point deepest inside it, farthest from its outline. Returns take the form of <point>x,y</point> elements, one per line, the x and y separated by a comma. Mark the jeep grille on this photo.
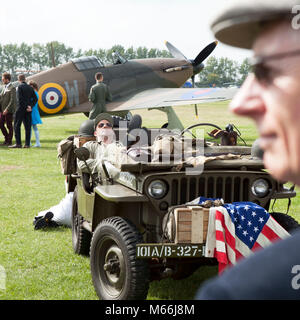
<point>231,189</point>
<point>232,186</point>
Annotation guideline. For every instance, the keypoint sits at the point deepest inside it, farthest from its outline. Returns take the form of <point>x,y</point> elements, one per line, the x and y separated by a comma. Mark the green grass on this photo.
<point>41,264</point>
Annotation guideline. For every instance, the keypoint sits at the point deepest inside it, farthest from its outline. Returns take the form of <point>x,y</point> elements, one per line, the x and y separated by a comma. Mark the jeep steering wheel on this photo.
<point>198,125</point>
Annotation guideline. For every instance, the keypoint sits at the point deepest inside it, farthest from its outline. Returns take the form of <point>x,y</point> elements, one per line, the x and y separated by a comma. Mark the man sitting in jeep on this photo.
<point>105,148</point>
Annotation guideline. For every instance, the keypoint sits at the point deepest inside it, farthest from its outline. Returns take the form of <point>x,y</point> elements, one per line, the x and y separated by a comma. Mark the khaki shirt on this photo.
<point>114,153</point>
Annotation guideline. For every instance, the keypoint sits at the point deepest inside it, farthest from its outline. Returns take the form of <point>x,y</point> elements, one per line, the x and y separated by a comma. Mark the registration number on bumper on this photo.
<point>170,250</point>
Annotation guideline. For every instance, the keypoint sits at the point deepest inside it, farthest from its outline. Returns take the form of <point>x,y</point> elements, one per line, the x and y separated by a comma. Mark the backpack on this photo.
<point>65,150</point>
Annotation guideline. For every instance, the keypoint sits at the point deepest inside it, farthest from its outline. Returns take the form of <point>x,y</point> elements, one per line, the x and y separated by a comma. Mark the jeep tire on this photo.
<point>116,272</point>
<point>286,221</point>
<point>81,238</point>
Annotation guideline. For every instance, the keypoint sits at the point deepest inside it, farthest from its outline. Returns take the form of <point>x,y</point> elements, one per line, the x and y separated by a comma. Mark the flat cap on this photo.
<point>103,116</point>
<point>240,21</point>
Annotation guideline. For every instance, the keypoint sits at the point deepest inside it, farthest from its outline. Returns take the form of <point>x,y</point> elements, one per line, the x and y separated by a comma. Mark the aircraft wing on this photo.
<point>165,97</point>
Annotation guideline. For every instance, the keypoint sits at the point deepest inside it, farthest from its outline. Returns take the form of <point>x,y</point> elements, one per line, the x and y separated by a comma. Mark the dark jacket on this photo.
<point>269,274</point>
<point>25,96</point>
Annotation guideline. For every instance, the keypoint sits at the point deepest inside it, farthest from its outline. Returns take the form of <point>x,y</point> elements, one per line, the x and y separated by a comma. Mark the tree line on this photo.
<point>30,59</point>
<point>223,72</point>
<point>38,57</point>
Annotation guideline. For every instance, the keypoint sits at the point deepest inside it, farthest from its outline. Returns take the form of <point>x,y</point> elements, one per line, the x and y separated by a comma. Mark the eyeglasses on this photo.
<point>101,125</point>
<point>264,73</point>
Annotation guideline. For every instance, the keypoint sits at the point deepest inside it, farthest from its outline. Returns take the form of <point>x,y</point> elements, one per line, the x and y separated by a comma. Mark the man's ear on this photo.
<point>95,133</point>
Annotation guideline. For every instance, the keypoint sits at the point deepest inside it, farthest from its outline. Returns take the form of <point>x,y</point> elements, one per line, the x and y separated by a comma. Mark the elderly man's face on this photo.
<point>275,105</point>
<point>104,132</point>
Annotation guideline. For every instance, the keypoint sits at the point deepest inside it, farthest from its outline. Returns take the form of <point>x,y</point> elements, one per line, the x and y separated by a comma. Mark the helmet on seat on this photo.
<point>86,129</point>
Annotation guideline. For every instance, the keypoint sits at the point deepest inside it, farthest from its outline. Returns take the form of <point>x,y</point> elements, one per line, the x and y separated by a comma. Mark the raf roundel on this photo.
<point>52,98</point>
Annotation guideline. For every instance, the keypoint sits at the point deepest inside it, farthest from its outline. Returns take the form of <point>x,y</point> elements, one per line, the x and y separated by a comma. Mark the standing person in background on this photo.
<point>8,102</point>
<point>26,100</point>
<point>35,116</point>
<point>99,94</point>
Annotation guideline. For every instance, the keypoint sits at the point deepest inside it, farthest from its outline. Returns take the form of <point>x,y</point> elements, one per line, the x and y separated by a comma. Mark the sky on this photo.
<point>86,24</point>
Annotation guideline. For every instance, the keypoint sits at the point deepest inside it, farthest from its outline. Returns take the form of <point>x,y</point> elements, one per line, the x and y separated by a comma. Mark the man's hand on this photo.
<point>5,112</point>
<point>29,109</point>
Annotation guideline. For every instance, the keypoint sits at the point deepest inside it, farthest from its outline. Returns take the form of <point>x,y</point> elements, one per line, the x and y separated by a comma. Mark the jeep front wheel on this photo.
<point>116,272</point>
<point>81,238</point>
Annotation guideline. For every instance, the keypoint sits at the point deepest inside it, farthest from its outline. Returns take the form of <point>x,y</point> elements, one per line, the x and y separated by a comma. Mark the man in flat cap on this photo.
<point>271,97</point>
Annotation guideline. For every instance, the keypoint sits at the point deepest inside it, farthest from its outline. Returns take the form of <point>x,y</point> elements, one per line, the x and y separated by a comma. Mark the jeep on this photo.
<point>122,222</point>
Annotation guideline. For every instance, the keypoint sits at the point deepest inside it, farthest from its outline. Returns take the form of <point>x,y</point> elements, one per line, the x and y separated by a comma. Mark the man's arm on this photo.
<point>108,94</point>
<point>10,108</point>
<point>92,161</point>
<point>92,95</point>
<point>20,97</point>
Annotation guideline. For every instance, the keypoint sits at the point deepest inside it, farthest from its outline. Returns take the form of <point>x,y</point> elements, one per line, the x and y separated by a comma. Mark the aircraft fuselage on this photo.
<point>65,89</point>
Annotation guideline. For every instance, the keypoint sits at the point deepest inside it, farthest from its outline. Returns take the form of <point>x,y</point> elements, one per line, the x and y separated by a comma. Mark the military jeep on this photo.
<point>121,223</point>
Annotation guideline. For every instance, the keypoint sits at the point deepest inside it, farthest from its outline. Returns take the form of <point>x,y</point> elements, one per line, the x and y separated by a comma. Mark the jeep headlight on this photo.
<point>157,189</point>
<point>260,188</point>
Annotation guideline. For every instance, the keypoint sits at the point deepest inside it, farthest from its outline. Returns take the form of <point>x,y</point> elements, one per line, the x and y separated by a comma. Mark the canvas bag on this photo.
<point>171,147</point>
<point>65,150</point>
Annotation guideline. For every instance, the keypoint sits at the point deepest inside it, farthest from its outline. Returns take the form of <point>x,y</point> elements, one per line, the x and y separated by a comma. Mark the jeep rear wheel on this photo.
<point>81,238</point>
<point>116,272</point>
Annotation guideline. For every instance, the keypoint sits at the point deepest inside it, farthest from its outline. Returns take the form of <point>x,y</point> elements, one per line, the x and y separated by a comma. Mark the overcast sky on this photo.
<point>98,24</point>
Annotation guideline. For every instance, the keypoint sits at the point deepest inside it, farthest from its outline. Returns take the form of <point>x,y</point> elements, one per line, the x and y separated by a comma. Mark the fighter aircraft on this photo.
<point>134,84</point>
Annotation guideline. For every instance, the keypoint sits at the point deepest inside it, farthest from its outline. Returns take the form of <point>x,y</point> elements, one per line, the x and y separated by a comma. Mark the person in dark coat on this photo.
<point>270,96</point>
<point>26,99</point>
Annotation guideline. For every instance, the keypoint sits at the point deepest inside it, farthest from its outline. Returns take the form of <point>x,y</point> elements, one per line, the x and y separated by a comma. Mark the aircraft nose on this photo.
<point>197,68</point>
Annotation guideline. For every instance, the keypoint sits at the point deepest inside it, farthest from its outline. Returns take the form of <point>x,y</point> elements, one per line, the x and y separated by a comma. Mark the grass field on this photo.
<point>41,264</point>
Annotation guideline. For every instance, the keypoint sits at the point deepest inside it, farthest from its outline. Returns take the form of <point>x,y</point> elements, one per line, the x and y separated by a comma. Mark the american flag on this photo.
<point>236,230</point>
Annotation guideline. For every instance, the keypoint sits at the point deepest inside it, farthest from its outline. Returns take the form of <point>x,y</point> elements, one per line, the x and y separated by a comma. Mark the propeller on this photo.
<point>196,63</point>
<point>204,53</point>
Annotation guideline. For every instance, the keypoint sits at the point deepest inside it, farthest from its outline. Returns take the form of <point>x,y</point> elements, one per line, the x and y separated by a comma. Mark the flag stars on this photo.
<point>261,220</point>
<point>248,220</point>
<point>245,233</point>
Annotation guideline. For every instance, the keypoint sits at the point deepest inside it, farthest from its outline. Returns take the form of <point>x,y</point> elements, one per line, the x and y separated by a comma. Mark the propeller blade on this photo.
<point>205,53</point>
<point>175,52</point>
